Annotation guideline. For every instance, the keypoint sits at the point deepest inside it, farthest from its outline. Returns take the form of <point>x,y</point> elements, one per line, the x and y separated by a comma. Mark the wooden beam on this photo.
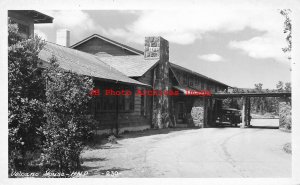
<point>270,94</point>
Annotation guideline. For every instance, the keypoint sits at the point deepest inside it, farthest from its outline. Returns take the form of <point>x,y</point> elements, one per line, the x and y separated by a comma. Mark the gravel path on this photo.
<point>209,152</point>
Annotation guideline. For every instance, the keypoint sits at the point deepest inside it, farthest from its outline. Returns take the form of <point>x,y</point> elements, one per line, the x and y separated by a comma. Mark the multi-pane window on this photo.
<point>105,103</point>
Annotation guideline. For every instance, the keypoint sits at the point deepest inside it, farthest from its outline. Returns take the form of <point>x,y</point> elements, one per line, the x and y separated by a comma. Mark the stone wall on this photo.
<point>197,112</point>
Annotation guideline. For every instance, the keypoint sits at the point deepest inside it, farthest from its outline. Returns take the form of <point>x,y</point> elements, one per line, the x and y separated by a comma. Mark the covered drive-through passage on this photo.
<point>212,102</point>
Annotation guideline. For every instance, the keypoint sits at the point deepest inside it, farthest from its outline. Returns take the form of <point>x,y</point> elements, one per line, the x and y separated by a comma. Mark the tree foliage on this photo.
<point>68,122</point>
<point>260,105</point>
<point>269,104</point>
<point>287,29</point>
<point>25,103</point>
<point>48,108</point>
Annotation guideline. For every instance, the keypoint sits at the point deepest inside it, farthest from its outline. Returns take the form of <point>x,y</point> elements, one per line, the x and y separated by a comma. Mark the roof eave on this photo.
<point>110,41</point>
<point>197,74</point>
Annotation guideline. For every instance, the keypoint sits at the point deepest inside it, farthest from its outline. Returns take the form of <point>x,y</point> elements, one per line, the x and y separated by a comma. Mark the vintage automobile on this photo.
<point>228,116</point>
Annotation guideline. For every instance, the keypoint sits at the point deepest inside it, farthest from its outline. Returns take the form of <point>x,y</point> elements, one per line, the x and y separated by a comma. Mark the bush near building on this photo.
<point>48,117</point>
<point>25,98</point>
<point>285,115</point>
<point>68,122</point>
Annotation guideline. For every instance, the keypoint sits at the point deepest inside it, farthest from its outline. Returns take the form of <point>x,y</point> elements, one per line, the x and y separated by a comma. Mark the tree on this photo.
<point>48,108</point>
<point>68,122</point>
<point>25,97</point>
<point>280,86</point>
<point>287,29</point>
<point>288,87</point>
<point>257,103</point>
<point>258,87</point>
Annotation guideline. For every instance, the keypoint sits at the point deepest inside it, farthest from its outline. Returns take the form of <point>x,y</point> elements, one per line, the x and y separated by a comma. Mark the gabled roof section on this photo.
<point>37,17</point>
<point>123,46</point>
<point>83,63</point>
<point>132,66</point>
<point>175,66</point>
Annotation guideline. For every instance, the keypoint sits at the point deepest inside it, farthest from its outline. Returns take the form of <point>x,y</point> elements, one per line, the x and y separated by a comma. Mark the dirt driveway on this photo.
<point>208,152</point>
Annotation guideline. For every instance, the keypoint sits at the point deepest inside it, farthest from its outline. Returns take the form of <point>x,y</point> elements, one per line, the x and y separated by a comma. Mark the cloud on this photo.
<point>185,26</point>
<point>262,47</point>
<point>211,57</point>
<point>74,18</point>
<point>77,21</point>
<point>41,34</point>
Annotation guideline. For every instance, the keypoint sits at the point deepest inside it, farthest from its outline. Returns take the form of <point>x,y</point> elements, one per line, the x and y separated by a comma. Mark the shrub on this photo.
<point>112,139</point>
<point>25,98</point>
<point>48,112</point>
<point>68,121</point>
<point>285,115</point>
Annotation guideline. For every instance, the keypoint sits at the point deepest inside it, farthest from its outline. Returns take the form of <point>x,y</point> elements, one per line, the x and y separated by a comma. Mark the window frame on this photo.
<point>114,99</point>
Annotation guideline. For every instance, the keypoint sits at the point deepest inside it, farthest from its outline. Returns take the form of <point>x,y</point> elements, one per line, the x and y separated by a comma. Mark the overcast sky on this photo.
<point>237,44</point>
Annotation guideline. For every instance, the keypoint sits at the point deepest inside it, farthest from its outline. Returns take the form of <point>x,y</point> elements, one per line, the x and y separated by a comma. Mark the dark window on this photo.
<point>197,81</point>
<point>180,110</point>
<point>126,103</point>
<point>191,82</point>
<point>109,103</point>
<point>143,105</point>
<point>22,29</point>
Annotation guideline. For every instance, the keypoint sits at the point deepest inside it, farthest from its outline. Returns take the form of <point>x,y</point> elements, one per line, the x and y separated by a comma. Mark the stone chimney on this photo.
<point>158,48</point>
<point>63,37</point>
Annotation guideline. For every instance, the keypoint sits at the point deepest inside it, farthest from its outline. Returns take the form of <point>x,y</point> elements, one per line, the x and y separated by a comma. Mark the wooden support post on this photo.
<point>117,112</point>
<point>248,111</point>
<point>210,121</point>
<point>243,112</point>
<point>205,112</point>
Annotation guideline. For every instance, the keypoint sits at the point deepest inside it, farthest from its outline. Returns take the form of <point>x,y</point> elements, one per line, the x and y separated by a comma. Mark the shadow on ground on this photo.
<point>264,127</point>
<point>151,132</point>
<point>256,127</point>
<point>93,159</point>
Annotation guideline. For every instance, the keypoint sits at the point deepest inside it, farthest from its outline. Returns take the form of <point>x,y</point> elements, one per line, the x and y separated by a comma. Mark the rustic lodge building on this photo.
<point>116,66</point>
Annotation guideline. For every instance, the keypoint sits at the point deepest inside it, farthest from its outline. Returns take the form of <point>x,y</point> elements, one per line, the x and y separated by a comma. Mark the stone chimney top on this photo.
<point>156,48</point>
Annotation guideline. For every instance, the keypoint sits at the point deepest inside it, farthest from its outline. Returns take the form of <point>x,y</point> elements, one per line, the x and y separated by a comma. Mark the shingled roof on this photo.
<point>132,66</point>
<point>83,63</point>
<point>136,66</point>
